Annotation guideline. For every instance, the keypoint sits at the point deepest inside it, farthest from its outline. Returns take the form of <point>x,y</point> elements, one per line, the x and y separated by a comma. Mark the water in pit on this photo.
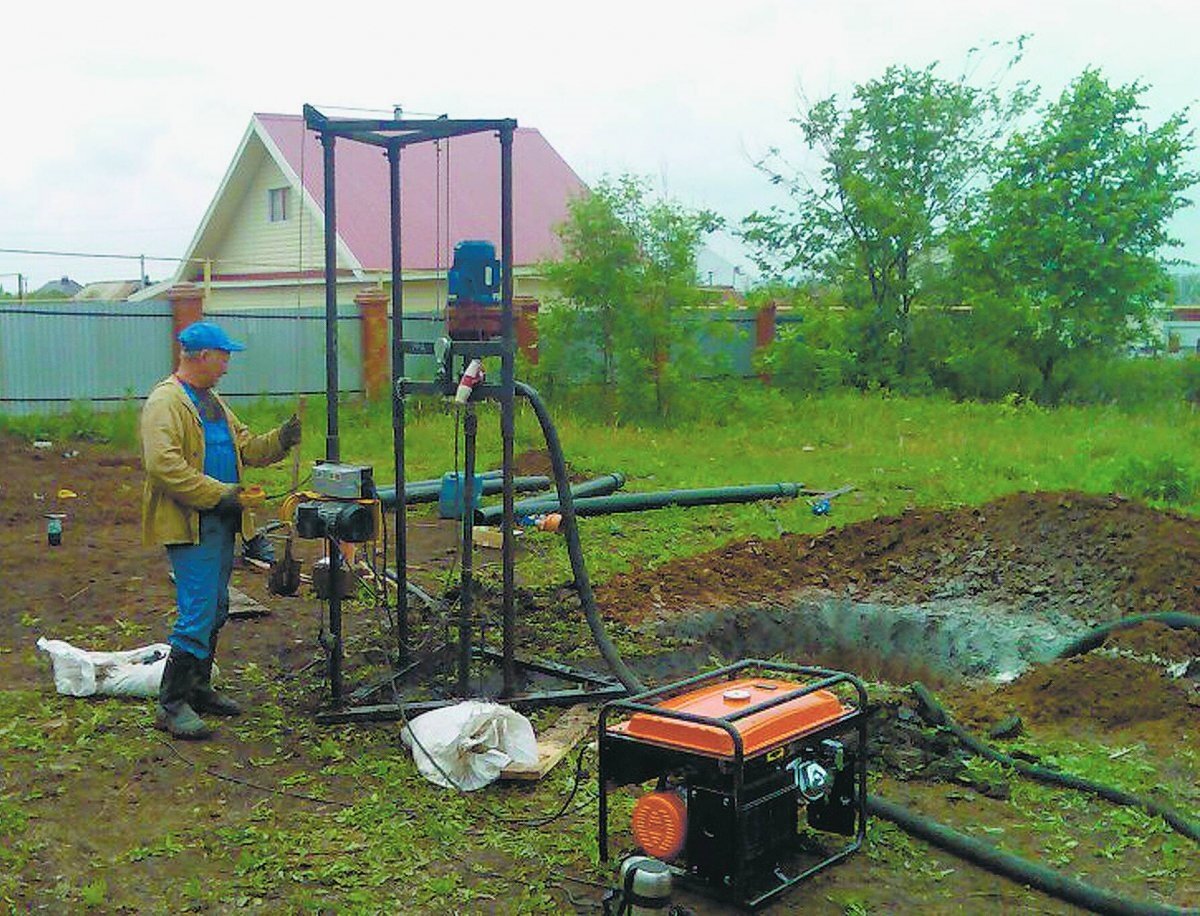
<point>939,640</point>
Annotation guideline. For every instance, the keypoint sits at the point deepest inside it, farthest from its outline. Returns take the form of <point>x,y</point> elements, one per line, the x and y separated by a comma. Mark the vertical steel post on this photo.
<point>507,378</point>
<point>332,452</point>
<point>400,524</point>
<point>467,491</point>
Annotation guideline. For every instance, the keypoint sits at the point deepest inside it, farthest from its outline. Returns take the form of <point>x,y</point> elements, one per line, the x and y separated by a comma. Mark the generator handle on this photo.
<point>829,678</point>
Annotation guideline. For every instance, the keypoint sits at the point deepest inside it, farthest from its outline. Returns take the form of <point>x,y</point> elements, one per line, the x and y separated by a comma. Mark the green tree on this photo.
<point>903,163</point>
<point>628,278</point>
<point>1070,253</point>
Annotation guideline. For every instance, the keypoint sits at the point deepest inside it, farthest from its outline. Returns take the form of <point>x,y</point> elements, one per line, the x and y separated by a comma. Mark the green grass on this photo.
<point>389,849</point>
<point>898,452</point>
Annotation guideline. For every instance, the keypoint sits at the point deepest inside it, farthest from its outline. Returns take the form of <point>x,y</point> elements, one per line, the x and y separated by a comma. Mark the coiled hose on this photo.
<point>1019,869</point>
<point>574,549</point>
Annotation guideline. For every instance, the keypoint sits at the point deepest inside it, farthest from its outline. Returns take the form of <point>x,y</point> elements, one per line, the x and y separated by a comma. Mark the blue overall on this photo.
<point>202,570</point>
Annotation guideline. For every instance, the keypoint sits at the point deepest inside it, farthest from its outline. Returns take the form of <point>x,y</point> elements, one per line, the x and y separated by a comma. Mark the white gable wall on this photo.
<point>255,245</point>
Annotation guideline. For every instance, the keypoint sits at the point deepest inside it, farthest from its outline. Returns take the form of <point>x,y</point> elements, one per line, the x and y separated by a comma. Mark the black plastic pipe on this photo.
<point>540,505</point>
<point>430,491</point>
<point>1096,637</point>
<point>662,499</point>
<point>935,713</point>
<point>574,549</point>
<point>1012,866</point>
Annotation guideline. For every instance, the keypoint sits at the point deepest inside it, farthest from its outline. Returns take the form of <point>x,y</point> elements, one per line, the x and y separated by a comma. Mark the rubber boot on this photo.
<point>203,697</point>
<point>174,714</point>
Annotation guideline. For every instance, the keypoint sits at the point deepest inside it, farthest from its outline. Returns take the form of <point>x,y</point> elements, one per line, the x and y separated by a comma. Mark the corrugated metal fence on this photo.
<point>55,354</point>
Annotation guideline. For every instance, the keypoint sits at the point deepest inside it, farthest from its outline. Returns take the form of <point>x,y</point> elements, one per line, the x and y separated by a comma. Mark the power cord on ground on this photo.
<point>217,774</point>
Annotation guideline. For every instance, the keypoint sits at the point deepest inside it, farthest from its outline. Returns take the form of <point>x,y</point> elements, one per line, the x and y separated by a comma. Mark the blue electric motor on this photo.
<point>475,274</point>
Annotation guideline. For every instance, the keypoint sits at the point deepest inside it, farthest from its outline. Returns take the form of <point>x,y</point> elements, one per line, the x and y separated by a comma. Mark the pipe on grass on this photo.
<point>1019,869</point>
<point>541,505</point>
<point>662,499</point>
<point>428,491</point>
<point>574,549</point>
<point>935,713</point>
<point>1015,867</point>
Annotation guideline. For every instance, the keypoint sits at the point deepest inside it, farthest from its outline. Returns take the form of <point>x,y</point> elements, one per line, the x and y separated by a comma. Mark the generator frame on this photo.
<point>656,759</point>
<point>392,136</point>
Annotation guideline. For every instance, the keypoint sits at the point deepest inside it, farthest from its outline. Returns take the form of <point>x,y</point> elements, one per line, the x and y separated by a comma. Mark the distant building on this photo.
<point>261,243</point>
<point>64,287</point>
<point>109,290</point>
<point>1181,330</point>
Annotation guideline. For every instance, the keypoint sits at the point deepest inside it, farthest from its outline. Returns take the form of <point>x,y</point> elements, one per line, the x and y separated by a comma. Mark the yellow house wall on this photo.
<point>254,244</point>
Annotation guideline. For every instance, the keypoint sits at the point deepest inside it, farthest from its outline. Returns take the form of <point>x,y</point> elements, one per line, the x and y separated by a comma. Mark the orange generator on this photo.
<point>734,755</point>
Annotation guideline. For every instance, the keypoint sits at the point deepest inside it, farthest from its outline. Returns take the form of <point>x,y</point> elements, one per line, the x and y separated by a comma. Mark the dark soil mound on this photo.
<point>1103,557</point>
<point>1095,689</point>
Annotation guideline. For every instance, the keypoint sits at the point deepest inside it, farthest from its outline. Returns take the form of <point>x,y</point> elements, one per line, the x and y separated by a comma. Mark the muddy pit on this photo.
<point>975,602</point>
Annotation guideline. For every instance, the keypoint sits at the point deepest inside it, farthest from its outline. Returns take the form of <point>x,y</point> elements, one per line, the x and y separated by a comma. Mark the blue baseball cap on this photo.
<point>204,335</point>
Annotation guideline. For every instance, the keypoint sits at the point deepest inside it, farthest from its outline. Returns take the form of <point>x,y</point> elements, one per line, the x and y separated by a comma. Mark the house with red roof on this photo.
<point>261,241</point>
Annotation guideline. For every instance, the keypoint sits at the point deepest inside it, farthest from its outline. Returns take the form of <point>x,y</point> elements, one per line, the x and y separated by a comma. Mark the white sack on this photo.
<point>78,673</point>
<point>471,741</point>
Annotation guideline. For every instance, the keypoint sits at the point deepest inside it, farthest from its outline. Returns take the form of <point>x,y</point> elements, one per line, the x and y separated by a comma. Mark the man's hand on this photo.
<point>289,433</point>
<point>230,503</point>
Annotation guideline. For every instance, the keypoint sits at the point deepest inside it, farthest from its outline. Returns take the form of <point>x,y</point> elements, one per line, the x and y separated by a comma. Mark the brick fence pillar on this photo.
<point>525,312</point>
<point>376,355</point>
<point>187,307</point>
<point>764,333</point>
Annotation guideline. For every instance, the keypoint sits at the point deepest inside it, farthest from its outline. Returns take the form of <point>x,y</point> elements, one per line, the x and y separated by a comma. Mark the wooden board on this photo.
<point>242,605</point>
<point>571,727</point>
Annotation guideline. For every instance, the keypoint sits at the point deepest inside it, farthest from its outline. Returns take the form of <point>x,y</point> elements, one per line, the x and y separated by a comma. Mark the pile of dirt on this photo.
<point>535,462</point>
<point>1157,639</point>
<point>1098,557</point>
<point>1098,689</point>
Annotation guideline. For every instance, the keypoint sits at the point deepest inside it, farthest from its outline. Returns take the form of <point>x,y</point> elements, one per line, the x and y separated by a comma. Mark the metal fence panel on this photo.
<point>285,352</point>
<point>55,353</point>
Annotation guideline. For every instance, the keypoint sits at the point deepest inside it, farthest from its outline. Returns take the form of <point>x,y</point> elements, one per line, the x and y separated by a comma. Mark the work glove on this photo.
<point>229,504</point>
<point>289,433</point>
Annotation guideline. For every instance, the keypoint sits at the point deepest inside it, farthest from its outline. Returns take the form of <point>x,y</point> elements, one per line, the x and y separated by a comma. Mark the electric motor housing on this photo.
<point>735,755</point>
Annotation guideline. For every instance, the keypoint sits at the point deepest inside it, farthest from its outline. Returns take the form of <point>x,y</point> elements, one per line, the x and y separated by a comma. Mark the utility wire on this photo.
<point>90,254</point>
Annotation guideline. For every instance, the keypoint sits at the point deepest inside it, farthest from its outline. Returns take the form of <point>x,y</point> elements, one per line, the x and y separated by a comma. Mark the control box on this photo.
<point>343,481</point>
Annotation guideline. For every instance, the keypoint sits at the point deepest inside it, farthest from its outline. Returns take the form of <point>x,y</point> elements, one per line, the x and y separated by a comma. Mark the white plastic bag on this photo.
<point>471,742</point>
<point>78,673</point>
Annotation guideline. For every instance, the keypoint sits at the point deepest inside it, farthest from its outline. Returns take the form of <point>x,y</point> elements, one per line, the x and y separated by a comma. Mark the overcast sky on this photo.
<point>121,118</point>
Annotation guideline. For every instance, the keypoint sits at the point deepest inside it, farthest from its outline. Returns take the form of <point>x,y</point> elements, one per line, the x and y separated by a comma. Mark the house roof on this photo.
<point>66,286</point>
<point>466,168</point>
<point>109,290</point>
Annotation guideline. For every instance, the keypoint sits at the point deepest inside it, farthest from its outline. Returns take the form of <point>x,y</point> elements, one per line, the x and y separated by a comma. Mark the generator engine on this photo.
<point>735,755</point>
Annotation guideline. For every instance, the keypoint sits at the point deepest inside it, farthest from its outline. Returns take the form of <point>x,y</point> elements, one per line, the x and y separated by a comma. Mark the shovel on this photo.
<point>284,578</point>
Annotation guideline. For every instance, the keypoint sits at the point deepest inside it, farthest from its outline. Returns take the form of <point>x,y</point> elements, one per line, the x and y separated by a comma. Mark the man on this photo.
<point>193,451</point>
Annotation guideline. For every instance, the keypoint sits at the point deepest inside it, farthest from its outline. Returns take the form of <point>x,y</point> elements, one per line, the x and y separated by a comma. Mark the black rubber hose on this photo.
<point>936,714</point>
<point>571,532</point>
<point>1004,863</point>
<point>1096,637</point>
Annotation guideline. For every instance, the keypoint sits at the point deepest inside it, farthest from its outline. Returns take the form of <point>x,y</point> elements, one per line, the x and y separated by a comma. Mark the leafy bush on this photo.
<point>810,355</point>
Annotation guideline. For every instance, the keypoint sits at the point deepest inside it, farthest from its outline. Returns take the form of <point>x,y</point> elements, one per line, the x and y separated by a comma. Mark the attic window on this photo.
<point>277,205</point>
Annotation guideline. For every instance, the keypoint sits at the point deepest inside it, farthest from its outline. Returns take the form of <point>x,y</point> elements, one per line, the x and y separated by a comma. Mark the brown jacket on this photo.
<point>176,487</point>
